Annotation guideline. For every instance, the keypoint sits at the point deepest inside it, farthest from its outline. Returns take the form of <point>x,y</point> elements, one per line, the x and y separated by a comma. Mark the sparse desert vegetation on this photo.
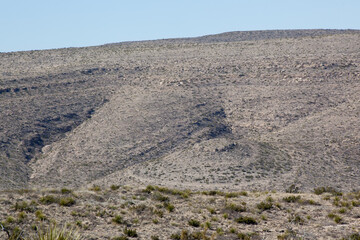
<point>241,135</point>
<point>135,213</point>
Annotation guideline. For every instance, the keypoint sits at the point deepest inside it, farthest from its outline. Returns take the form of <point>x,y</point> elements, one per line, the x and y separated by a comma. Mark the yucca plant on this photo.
<point>53,232</point>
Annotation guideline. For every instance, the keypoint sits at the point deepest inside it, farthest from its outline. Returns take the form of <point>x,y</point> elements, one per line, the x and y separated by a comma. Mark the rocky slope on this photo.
<point>241,110</point>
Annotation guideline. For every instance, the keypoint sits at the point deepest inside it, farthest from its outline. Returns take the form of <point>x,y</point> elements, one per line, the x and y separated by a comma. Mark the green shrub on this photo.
<point>160,197</point>
<point>246,220</point>
<point>67,202</point>
<point>321,190</point>
<point>243,236</point>
<point>40,215</point>
<point>194,223</point>
<point>23,206</point>
<point>175,236</point>
<point>95,188</point>
<point>55,233</point>
<point>130,232</point>
<point>118,219</point>
<point>169,206</point>
<point>263,206</point>
<point>65,191</point>
<point>236,208</point>
<point>49,199</point>
<point>291,199</point>
<point>22,216</point>
<point>114,187</point>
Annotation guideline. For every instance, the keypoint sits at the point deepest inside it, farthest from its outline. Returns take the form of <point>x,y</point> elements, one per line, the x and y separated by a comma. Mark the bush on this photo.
<point>65,191</point>
<point>160,197</point>
<point>118,219</point>
<point>291,199</point>
<point>114,187</point>
<point>194,223</point>
<point>95,188</point>
<point>55,233</point>
<point>321,190</point>
<point>40,215</point>
<point>236,208</point>
<point>169,207</point>
<point>49,199</point>
<point>263,206</point>
<point>246,220</point>
<point>175,236</point>
<point>67,202</point>
<point>23,206</point>
<point>130,232</point>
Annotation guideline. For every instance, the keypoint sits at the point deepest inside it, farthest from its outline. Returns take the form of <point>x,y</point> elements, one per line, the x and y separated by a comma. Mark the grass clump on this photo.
<point>236,208</point>
<point>118,219</point>
<point>95,188</point>
<point>170,207</point>
<point>48,199</point>
<point>194,223</point>
<point>246,220</point>
<point>24,206</point>
<point>55,233</point>
<point>67,202</point>
<point>175,236</point>
<point>291,199</point>
<point>160,197</point>
<point>335,217</point>
<point>321,190</point>
<point>65,191</point>
<point>40,215</point>
<point>130,232</point>
<point>114,187</point>
<point>263,206</point>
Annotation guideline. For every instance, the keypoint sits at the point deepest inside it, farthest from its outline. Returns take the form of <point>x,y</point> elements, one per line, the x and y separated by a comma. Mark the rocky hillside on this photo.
<point>241,110</point>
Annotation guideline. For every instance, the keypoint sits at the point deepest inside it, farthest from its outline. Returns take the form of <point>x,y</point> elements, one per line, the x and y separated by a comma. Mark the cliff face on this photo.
<point>257,110</point>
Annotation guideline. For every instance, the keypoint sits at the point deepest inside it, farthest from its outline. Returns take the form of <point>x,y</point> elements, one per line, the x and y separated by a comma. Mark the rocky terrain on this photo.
<point>274,114</point>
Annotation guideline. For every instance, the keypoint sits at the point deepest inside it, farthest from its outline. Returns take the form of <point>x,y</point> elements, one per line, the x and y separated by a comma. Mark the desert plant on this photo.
<point>169,206</point>
<point>40,215</point>
<point>160,197</point>
<point>291,199</point>
<point>246,220</point>
<point>321,190</point>
<point>263,206</point>
<point>48,199</point>
<point>175,236</point>
<point>236,208</point>
<point>194,223</point>
<point>55,233</point>
<point>95,188</point>
<point>118,219</point>
<point>130,232</point>
<point>66,191</point>
<point>114,187</point>
<point>67,202</point>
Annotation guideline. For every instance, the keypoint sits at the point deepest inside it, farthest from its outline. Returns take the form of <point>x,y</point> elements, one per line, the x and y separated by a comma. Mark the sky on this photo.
<point>47,24</point>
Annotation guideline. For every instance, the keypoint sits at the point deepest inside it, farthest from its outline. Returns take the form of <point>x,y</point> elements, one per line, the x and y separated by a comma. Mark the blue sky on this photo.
<point>44,24</point>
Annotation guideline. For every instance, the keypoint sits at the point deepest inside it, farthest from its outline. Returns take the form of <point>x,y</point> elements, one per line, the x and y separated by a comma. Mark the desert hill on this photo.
<point>240,110</point>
